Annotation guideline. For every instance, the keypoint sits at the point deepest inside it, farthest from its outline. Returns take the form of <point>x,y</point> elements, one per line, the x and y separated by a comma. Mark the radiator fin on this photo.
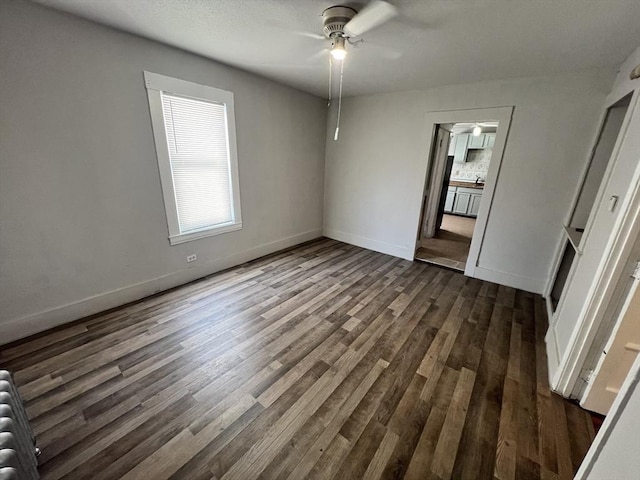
<point>17,442</point>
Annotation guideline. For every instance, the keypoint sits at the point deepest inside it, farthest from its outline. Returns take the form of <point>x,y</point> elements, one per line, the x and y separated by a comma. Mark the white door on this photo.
<point>618,354</point>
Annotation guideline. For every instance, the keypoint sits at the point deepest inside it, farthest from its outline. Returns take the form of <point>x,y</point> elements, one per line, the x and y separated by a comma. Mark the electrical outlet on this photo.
<point>192,258</point>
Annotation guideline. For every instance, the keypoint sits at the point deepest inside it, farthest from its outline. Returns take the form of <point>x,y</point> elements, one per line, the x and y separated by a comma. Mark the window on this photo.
<point>194,132</point>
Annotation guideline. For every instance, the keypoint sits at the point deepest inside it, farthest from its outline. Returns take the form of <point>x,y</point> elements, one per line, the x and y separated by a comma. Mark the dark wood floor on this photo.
<point>327,361</point>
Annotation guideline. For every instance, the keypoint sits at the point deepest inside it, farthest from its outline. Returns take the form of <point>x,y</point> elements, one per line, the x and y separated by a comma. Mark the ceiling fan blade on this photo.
<point>370,17</point>
<point>315,36</point>
<point>318,55</point>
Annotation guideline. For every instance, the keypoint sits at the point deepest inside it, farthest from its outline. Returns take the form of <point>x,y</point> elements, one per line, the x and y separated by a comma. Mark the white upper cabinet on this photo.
<point>460,151</point>
<point>476,142</point>
<point>452,145</point>
<point>463,142</point>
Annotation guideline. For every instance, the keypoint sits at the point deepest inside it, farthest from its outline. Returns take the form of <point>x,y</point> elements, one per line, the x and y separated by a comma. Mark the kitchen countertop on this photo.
<point>457,183</point>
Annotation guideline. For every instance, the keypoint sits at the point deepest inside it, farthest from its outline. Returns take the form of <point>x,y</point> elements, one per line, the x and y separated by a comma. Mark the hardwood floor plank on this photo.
<point>321,361</point>
<point>340,414</point>
<point>420,463</point>
<point>381,457</point>
<point>447,446</point>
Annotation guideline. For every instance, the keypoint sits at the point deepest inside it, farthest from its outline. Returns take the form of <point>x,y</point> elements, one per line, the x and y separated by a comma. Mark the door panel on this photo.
<point>448,204</point>
<point>489,140</point>
<point>476,142</point>
<point>461,204</point>
<point>475,205</point>
<point>618,356</point>
<point>460,155</point>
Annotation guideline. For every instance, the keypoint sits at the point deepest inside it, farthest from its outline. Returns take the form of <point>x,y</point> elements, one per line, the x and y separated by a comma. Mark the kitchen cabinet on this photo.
<point>452,145</point>
<point>474,205</point>
<point>484,140</point>
<point>451,196</point>
<point>460,150</point>
<point>463,201</point>
<point>460,144</point>
<point>476,141</point>
<point>489,140</point>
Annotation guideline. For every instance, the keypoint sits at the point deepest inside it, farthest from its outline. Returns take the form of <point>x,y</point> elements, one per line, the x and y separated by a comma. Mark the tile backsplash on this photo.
<point>477,165</point>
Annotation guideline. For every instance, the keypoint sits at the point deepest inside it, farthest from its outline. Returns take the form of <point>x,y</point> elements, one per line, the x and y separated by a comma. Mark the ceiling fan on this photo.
<point>341,24</point>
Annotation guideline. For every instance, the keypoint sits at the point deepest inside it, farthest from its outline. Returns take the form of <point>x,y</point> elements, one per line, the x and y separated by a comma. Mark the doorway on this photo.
<point>431,191</point>
<point>459,167</point>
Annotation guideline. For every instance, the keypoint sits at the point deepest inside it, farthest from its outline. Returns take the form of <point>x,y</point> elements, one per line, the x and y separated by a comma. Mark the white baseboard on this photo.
<point>370,244</point>
<point>528,284</point>
<point>28,325</point>
<point>553,357</point>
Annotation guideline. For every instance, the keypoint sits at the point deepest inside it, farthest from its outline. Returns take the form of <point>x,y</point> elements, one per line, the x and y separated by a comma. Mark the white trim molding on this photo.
<point>528,284</point>
<point>405,252</point>
<point>502,115</point>
<point>44,320</point>
<point>157,84</point>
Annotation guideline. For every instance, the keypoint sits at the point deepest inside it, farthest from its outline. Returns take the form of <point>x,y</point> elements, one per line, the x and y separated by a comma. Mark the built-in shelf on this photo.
<point>574,235</point>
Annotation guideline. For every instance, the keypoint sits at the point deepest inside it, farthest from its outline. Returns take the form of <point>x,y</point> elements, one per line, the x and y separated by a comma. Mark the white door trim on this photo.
<point>615,257</point>
<point>503,116</point>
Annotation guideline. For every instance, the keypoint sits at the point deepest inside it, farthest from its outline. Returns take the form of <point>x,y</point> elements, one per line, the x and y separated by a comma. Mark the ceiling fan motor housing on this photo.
<point>334,20</point>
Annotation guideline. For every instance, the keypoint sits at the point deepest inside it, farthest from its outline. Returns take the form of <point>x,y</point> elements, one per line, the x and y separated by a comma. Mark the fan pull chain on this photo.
<point>335,136</point>
<point>330,75</point>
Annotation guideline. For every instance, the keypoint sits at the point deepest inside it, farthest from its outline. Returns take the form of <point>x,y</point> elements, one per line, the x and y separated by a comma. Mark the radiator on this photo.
<point>17,443</point>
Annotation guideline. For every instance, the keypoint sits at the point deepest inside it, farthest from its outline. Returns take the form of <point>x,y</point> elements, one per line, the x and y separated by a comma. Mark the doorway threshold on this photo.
<point>440,262</point>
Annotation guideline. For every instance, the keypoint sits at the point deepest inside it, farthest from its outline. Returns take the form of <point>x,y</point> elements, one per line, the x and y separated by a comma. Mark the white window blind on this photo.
<point>197,141</point>
<point>194,130</point>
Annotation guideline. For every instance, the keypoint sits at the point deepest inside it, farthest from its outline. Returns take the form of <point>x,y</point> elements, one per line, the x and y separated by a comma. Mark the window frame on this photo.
<point>155,85</point>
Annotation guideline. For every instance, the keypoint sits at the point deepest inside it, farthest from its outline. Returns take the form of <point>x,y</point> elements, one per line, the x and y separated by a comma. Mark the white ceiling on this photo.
<point>439,42</point>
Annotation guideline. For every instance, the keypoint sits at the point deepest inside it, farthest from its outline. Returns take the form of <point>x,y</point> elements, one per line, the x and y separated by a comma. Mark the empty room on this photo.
<point>308,239</point>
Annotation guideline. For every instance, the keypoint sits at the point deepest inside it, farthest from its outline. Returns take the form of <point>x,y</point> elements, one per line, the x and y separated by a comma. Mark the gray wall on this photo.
<point>375,172</point>
<point>83,222</point>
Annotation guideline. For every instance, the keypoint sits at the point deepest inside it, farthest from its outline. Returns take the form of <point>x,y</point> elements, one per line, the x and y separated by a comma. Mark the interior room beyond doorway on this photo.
<point>450,246</point>
<point>456,184</point>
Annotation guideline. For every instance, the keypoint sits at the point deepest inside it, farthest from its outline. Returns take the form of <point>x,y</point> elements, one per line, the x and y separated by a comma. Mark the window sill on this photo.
<point>209,232</point>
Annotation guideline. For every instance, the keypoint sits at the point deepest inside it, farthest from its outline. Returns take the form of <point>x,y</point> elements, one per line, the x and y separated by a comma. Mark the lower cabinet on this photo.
<point>474,206</point>
<point>463,201</point>
<point>451,196</point>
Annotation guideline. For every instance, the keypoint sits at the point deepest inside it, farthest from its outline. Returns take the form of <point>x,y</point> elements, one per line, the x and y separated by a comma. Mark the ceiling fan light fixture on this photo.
<point>338,50</point>
<point>477,130</point>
